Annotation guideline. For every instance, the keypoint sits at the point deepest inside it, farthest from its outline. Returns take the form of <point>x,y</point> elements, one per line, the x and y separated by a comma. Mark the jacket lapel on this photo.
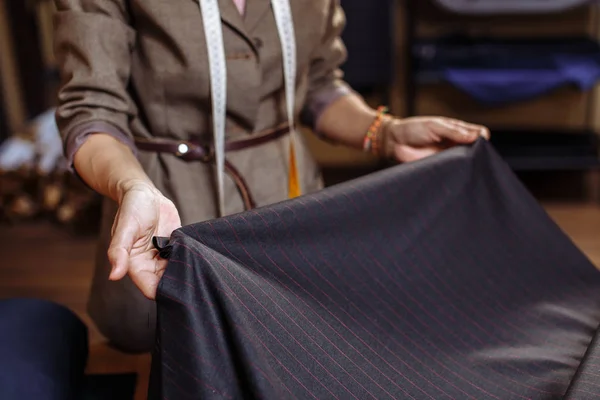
<point>255,12</point>
<point>231,16</point>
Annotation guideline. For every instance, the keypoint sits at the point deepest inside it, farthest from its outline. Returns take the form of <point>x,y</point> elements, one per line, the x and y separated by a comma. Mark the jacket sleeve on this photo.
<point>326,82</point>
<point>93,42</point>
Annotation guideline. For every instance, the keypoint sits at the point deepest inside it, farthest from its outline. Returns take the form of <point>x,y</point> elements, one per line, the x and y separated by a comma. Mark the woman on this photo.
<point>136,99</point>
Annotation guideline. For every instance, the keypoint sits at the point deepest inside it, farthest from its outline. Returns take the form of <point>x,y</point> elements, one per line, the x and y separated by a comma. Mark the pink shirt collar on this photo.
<point>240,4</point>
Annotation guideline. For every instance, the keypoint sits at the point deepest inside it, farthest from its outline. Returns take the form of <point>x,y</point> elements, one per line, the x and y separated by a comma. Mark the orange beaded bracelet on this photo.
<point>371,140</point>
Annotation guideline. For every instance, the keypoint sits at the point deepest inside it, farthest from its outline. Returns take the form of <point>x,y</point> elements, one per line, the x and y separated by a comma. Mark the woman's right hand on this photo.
<point>143,213</point>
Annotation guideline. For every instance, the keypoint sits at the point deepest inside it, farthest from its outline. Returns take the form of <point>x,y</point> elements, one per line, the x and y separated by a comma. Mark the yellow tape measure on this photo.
<point>293,176</point>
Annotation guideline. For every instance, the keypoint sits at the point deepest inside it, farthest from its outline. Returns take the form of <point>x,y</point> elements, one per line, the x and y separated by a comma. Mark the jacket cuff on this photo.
<point>80,133</point>
<point>317,104</point>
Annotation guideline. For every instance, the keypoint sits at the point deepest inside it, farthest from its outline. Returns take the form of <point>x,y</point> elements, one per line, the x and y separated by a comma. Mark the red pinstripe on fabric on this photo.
<point>496,301</point>
<point>399,331</point>
<point>194,332</point>
<point>317,329</point>
<point>433,345</point>
<point>220,264</point>
<point>444,340</point>
<point>438,279</point>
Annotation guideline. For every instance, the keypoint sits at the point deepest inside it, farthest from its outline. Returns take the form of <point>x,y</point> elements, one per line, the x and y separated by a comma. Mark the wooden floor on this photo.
<point>39,260</point>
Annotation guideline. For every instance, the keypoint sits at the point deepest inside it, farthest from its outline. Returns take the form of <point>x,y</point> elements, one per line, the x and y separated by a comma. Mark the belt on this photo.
<point>192,151</point>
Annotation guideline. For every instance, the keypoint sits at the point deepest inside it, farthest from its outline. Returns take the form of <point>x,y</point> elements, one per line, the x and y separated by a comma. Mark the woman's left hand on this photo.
<point>413,138</point>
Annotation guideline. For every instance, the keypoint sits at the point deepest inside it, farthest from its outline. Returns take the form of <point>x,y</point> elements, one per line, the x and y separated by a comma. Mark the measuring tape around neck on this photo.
<point>211,17</point>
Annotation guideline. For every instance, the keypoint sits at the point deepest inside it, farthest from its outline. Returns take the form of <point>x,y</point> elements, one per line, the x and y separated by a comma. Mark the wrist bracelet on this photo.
<point>371,140</point>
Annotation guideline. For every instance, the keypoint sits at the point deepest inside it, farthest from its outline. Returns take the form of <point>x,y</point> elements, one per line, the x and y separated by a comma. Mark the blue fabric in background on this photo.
<point>497,72</point>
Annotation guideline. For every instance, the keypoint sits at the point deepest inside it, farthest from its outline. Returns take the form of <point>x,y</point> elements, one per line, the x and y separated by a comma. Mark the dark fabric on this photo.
<point>367,37</point>
<point>439,279</point>
<point>501,71</point>
<point>585,384</point>
<point>43,351</point>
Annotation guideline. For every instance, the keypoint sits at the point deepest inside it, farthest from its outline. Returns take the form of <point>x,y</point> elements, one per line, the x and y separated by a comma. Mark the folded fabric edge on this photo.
<point>163,246</point>
<point>572,391</point>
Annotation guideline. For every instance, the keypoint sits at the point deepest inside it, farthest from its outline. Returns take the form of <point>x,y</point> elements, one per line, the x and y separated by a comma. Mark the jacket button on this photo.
<point>258,43</point>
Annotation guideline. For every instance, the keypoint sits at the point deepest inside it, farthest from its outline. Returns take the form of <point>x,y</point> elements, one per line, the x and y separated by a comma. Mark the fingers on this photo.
<point>147,283</point>
<point>446,129</point>
<point>457,131</point>
<point>120,247</point>
<point>114,224</point>
<point>479,130</point>
<point>146,273</point>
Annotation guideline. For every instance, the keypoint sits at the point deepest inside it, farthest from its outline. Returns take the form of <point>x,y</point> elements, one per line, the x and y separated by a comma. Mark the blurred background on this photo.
<point>527,69</point>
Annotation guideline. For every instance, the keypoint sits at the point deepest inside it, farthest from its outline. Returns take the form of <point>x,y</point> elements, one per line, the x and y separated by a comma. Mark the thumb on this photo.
<point>120,248</point>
